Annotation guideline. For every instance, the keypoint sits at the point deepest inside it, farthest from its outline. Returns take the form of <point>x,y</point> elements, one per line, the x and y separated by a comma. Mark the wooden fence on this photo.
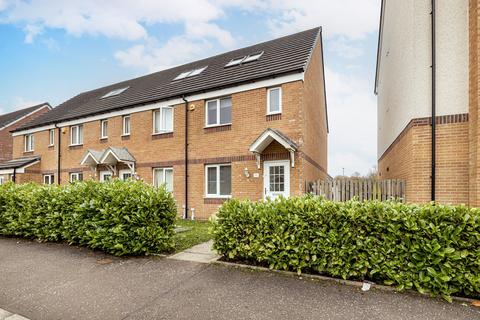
<point>364,189</point>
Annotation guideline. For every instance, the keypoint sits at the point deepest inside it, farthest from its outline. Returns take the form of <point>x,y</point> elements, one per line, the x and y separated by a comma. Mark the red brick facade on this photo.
<point>303,120</point>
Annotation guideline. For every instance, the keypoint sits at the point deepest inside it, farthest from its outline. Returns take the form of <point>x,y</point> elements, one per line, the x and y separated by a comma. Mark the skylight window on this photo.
<point>190,73</point>
<point>115,92</point>
<point>244,59</point>
<point>234,62</point>
<point>253,57</point>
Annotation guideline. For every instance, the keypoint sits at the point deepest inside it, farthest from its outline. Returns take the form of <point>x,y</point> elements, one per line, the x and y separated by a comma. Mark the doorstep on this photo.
<point>202,253</point>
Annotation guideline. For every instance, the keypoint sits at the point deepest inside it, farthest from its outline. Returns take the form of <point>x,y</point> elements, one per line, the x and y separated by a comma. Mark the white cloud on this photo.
<point>21,102</point>
<point>344,48</point>
<point>352,120</point>
<point>32,31</point>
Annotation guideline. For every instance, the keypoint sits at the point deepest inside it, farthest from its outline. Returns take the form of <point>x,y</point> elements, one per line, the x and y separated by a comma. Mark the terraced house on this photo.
<point>428,98</point>
<point>250,123</point>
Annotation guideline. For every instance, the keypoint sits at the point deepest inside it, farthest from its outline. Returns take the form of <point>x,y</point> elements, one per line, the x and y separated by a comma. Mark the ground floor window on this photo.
<point>125,174</point>
<point>105,176</point>
<point>48,179</point>
<point>2,179</point>
<point>76,176</point>
<point>218,180</point>
<point>163,176</point>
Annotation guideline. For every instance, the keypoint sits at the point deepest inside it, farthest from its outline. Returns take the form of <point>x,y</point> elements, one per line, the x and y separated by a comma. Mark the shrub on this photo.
<point>118,217</point>
<point>432,248</point>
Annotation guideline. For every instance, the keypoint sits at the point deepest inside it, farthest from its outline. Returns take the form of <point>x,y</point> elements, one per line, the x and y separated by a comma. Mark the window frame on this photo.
<point>124,118</point>
<point>77,174</point>
<point>102,131</point>
<point>51,178</point>
<point>163,176</point>
<point>218,124</point>
<point>51,137</point>
<point>217,195</point>
<point>103,173</point>
<point>28,142</point>
<point>122,172</point>
<point>161,112</point>
<point>2,180</point>
<point>269,112</point>
<point>79,136</point>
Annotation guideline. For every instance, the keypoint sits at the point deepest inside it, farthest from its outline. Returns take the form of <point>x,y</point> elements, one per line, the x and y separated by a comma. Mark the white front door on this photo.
<point>276,179</point>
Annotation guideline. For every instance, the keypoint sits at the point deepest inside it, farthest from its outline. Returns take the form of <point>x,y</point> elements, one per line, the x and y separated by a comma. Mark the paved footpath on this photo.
<point>55,281</point>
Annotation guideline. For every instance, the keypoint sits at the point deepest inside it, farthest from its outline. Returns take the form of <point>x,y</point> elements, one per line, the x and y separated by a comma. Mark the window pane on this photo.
<point>225,110</point>
<point>167,124</point>
<point>156,121</point>
<point>52,137</point>
<point>126,125</point>
<point>211,112</point>
<point>211,180</point>
<point>158,179</point>
<point>80,134</point>
<point>274,100</point>
<point>74,135</point>
<point>169,179</point>
<point>104,128</point>
<point>225,180</point>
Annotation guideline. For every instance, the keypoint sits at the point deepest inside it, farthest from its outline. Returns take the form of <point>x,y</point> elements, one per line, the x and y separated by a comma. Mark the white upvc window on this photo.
<point>163,176</point>
<point>2,180</point>
<point>76,135</point>
<point>103,129</point>
<point>48,179</point>
<point>163,120</point>
<point>76,176</point>
<point>51,137</point>
<point>274,100</point>
<point>125,174</point>
<point>105,176</point>
<point>29,142</point>
<point>218,112</point>
<point>126,125</point>
<point>218,181</point>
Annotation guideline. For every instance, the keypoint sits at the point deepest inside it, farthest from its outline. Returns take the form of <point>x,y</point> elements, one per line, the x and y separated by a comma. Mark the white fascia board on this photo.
<point>269,134</point>
<point>203,96</point>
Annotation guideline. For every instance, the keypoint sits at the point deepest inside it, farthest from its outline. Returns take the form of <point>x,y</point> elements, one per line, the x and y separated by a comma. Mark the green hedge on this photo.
<point>431,248</point>
<point>121,218</point>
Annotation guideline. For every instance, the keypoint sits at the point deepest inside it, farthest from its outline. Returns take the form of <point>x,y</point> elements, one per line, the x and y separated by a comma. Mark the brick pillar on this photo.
<point>474,143</point>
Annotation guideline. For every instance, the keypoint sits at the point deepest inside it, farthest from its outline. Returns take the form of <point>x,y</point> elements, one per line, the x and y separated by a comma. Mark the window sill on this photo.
<point>75,146</point>
<point>273,116</point>
<point>28,152</point>
<point>223,127</point>
<point>103,140</point>
<point>125,137</point>
<point>214,200</point>
<point>217,125</point>
<point>162,135</point>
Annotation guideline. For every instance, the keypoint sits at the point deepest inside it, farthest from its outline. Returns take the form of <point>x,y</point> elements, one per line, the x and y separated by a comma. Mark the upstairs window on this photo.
<point>51,137</point>
<point>126,125</point>
<point>76,135</point>
<point>274,100</point>
<point>29,142</point>
<point>218,180</point>
<point>113,93</point>
<point>163,120</point>
<point>104,129</point>
<point>218,112</point>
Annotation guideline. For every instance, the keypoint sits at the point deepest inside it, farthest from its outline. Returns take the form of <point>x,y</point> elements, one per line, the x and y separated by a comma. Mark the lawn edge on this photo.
<point>351,283</point>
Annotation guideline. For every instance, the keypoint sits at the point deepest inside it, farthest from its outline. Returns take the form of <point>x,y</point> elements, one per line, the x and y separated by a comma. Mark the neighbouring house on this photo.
<point>12,121</point>
<point>427,69</point>
<point>250,123</point>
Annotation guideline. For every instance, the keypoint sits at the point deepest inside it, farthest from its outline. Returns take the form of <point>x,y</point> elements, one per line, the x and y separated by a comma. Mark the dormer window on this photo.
<point>113,93</point>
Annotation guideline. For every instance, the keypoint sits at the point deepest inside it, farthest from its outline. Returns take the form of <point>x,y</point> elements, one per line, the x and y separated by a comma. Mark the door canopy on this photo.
<point>267,137</point>
<point>109,157</point>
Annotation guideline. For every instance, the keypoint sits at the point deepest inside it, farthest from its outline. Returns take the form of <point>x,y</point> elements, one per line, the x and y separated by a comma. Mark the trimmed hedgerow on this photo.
<point>434,249</point>
<point>121,218</point>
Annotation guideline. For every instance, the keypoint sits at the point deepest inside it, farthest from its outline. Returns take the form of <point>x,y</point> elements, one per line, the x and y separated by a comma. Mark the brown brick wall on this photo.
<point>6,139</point>
<point>409,158</point>
<point>474,141</point>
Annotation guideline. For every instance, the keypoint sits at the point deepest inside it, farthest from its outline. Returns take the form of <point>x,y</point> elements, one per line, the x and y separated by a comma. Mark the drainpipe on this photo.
<point>14,176</point>
<point>433,104</point>
<point>58,153</point>
<point>186,157</point>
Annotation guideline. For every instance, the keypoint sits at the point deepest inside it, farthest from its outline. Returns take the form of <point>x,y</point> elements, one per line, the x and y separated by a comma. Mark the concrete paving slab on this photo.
<point>202,253</point>
<point>159,288</point>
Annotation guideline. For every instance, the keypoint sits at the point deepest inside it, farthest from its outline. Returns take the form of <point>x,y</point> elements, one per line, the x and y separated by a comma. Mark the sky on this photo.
<point>51,50</point>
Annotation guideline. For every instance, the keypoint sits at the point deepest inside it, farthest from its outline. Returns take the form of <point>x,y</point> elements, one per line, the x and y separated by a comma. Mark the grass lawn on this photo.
<point>198,233</point>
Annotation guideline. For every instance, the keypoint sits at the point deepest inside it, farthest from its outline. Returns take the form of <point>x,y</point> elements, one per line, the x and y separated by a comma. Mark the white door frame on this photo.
<point>266,177</point>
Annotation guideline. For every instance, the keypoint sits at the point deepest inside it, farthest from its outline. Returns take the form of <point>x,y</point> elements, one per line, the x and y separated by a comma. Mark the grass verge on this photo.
<point>197,233</point>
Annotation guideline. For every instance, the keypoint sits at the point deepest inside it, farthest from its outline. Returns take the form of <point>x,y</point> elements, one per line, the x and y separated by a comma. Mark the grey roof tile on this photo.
<point>18,163</point>
<point>289,54</point>
<point>6,119</point>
